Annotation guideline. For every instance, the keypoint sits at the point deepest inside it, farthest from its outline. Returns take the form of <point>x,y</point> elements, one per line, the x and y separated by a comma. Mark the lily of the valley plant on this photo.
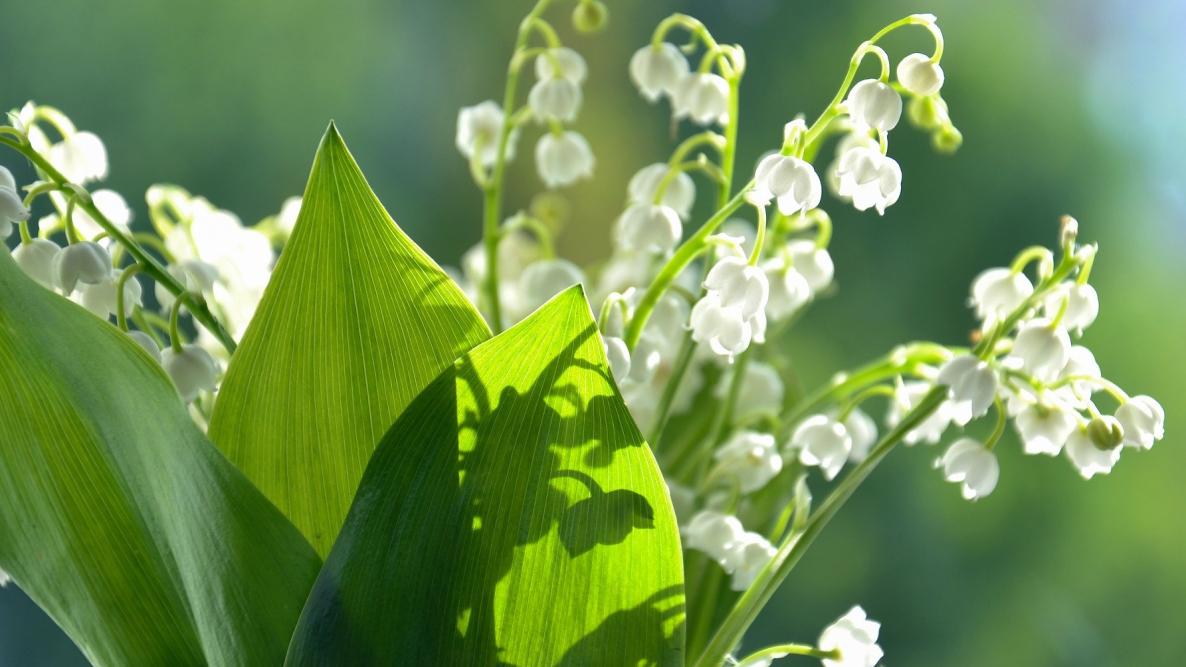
<point>303,442</point>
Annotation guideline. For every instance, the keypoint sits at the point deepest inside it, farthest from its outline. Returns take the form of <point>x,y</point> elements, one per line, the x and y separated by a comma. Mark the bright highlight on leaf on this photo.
<point>355,322</point>
<point>512,515</point>
<point>117,516</point>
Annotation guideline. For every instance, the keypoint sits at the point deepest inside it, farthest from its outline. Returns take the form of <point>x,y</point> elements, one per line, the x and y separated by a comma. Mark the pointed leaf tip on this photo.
<point>354,322</point>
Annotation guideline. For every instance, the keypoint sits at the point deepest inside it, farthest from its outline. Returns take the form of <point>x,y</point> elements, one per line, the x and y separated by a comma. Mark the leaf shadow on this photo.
<point>420,572</point>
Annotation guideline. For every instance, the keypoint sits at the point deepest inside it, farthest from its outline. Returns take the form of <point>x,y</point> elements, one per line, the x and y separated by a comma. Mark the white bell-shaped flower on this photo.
<point>725,329</point>
<point>847,143</point>
<point>972,465</point>
<point>81,157</point>
<point>192,369</point>
<point>790,180</point>
<point>1082,305</point>
<point>99,298</point>
<point>875,105</point>
<point>814,263</point>
<point>669,319</point>
<point>906,396</point>
<point>7,180</point>
<point>704,98</point>
<point>822,441</point>
<point>113,207</point>
<point>854,639</point>
<point>739,284</point>
<point>1040,349</point>
<point>749,555</point>
<point>920,75</point>
<point>1044,426</point>
<point>713,533</point>
<point>563,63</point>
<point>751,458</point>
<point>789,290</point>
<point>863,431</point>
<point>84,262</point>
<point>36,259</point>
<point>680,193</point>
<point>658,70</point>
<point>555,98</point>
<point>998,292</point>
<point>147,343</point>
<point>869,179</point>
<point>618,356</point>
<point>478,131</point>
<point>1143,420</point>
<point>12,207</point>
<point>761,393</point>
<point>648,228</point>
<point>1087,458</point>
<point>563,159</point>
<point>545,279</point>
<point>972,386</point>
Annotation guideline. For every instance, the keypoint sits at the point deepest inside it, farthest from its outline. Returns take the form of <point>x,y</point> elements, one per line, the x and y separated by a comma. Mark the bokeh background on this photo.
<point>1066,106</point>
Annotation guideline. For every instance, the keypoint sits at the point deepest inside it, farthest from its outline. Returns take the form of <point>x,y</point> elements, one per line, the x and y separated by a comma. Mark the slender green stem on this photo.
<point>152,267</point>
<point>121,317</point>
<point>145,325</point>
<point>492,192</point>
<point>790,551</point>
<point>783,650</point>
<point>683,256</point>
<point>816,131</point>
<point>175,324</point>
<point>904,360</point>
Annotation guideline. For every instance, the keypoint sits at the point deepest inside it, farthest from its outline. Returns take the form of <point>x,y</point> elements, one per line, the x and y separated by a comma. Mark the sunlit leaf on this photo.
<point>117,516</point>
<point>355,322</point>
<point>512,515</point>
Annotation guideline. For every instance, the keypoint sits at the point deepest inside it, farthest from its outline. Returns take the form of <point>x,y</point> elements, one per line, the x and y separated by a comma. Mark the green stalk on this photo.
<point>791,550</point>
<point>492,192</point>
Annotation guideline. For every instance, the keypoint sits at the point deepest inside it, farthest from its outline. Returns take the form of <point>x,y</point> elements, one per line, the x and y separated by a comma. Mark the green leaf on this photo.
<point>356,320</point>
<point>512,515</point>
<point>117,516</point>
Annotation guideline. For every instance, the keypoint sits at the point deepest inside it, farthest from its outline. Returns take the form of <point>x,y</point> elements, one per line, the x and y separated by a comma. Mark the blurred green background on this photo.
<point>1067,106</point>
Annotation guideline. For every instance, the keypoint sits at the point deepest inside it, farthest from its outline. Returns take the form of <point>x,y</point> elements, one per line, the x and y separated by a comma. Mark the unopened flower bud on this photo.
<point>947,139</point>
<point>928,112</point>
<point>1106,433</point>
<point>590,16</point>
<point>1068,231</point>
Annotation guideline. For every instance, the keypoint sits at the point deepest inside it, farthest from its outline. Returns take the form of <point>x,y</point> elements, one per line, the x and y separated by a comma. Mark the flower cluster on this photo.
<point>487,136</point>
<point>82,247</point>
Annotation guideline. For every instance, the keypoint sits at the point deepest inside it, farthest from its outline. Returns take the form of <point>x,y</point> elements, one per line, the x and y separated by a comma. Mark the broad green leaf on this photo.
<point>117,515</point>
<point>355,322</point>
<point>512,515</point>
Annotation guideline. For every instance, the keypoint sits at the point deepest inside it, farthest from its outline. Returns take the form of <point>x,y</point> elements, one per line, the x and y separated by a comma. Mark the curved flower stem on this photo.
<point>792,549</point>
<point>152,267</point>
<point>783,650</point>
<point>683,256</point>
<point>903,360</point>
<point>816,131</point>
<point>121,317</point>
<point>492,190</point>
